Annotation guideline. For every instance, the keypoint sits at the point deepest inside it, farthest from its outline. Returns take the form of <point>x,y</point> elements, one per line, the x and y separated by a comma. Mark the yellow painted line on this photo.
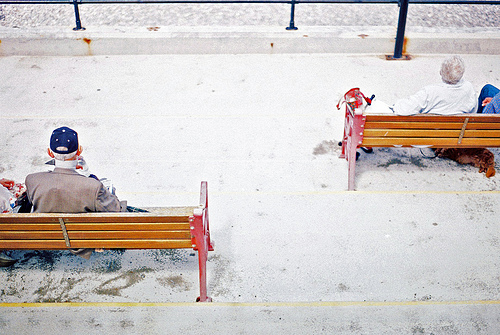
<point>167,116</point>
<point>423,192</point>
<point>253,304</point>
<point>312,192</point>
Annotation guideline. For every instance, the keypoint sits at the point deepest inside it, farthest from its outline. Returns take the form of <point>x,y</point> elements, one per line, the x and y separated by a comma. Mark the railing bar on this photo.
<point>401,24</point>
<point>400,35</point>
<point>430,2</point>
<point>77,17</point>
<point>292,18</point>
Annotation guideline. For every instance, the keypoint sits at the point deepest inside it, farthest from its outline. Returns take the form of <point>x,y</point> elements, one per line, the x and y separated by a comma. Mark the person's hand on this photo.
<point>7,183</point>
<point>486,101</point>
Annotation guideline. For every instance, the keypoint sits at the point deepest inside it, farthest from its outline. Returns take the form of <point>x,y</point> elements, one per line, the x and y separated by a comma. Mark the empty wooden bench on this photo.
<point>423,130</point>
<point>160,228</point>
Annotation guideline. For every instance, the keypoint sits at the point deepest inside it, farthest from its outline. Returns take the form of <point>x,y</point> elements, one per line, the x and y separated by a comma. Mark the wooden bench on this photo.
<point>422,130</point>
<point>160,228</point>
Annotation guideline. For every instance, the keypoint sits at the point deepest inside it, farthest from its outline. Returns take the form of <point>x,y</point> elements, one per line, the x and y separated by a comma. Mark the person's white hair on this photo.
<point>452,70</point>
<point>64,157</point>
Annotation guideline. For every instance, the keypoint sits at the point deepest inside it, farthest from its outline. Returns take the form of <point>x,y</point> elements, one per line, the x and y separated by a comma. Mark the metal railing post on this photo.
<point>77,16</point>
<point>292,17</point>
<point>400,35</point>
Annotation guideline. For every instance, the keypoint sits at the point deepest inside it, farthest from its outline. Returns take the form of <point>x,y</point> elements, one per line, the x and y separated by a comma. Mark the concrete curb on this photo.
<point>63,41</point>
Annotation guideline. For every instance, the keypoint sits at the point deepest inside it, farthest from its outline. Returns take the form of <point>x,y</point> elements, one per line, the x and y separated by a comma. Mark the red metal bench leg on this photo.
<point>347,131</point>
<point>202,259</point>
<point>351,160</point>
<point>353,137</point>
<point>200,237</point>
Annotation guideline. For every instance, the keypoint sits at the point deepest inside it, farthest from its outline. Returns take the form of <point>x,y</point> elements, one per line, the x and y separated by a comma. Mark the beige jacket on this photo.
<point>66,191</point>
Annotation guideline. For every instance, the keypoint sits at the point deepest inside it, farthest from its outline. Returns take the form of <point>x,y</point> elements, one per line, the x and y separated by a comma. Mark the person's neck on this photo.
<point>71,164</point>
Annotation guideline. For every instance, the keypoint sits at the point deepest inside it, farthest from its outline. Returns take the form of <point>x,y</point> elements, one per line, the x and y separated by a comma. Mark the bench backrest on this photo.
<point>465,130</point>
<point>165,229</point>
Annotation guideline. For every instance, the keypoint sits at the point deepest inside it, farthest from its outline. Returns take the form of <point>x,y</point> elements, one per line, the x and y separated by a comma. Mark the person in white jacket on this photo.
<point>453,96</point>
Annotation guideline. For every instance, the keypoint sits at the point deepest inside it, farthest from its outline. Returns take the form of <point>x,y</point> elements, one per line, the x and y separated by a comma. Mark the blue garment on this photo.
<point>489,91</point>
<point>494,106</point>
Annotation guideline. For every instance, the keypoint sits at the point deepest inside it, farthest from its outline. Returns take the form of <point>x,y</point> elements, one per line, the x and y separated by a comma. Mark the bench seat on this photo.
<point>422,130</point>
<point>159,228</point>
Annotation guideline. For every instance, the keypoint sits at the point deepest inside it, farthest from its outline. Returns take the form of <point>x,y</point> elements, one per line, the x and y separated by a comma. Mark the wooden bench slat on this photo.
<point>105,244</point>
<point>434,142</point>
<point>151,211</point>
<point>99,219</point>
<point>430,125</point>
<point>94,235</point>
<point>433,118</point>
<point>429,133</point>
<point>95,226</point>
<point>413,125</point>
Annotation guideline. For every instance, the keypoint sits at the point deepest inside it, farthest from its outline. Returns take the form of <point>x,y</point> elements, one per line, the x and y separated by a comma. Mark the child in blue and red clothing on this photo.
<point>489,100</point>
<point>4,259</point>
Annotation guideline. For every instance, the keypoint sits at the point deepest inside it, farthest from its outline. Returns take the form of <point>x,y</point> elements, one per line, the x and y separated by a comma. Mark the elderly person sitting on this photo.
<point>453,96</point>
<point>64,190</point>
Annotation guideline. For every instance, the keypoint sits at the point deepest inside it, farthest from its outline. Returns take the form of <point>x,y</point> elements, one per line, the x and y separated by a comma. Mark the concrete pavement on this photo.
<point>255,318</point>
<point>414,250</point>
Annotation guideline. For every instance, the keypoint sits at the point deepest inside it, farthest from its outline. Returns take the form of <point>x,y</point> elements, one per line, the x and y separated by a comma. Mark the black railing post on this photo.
<point>292,17</point>
<point>400,35</point>
<point>77,16</point>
